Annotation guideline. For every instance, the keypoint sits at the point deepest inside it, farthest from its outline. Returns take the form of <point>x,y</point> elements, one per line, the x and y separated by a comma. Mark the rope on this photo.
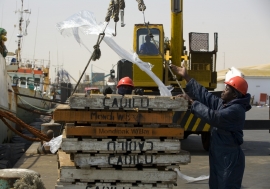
<point>113,10</point>
<point>122,4</point>
<point>95,55</point>
<point>141,5</point>
<point>7,115</point>
<point>110,11</point>
<point>29,181</point>
<point>116,11</point>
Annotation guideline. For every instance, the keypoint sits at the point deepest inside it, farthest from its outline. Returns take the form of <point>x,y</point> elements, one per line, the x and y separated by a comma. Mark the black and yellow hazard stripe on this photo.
<point>190,122</point>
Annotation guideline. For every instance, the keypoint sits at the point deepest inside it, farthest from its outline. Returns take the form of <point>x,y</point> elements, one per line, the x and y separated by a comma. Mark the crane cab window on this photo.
<point>146,45</point>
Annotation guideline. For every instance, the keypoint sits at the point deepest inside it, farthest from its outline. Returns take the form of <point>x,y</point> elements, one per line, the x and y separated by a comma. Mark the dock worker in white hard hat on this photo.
<point>226,115</point>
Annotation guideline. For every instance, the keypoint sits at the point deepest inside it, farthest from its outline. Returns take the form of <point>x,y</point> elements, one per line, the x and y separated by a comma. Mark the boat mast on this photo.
<point>21,34</point>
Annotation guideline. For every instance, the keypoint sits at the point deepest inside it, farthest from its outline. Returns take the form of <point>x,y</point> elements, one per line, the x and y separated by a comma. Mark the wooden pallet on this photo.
<point>119,161</point>
<point>83,185</point>
<point>131,160</point>
<point>126,175</point>
<point>69,172</point>
<point>120,142</point>
<point>128,102</point>
<point>73,145</point>
<point>64,113</point>
<point>148,132</point>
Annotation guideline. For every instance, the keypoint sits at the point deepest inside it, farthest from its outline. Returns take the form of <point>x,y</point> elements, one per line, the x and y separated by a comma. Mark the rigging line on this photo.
<point>36,37</point>
<point>99,68</point>
<point>11,36</point>
<point>2,13</point>
<point>99,40</point>
<point>143,17</point>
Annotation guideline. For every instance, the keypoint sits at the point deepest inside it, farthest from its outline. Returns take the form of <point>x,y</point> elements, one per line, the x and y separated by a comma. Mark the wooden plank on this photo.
<point>64,160</point>
<point>105,116</point>
<point>120,131</point>
<point>131,160</point>
<point>128,102</point>
<point>145,176</point>
<point>121,145</point>
<point>111,186</point>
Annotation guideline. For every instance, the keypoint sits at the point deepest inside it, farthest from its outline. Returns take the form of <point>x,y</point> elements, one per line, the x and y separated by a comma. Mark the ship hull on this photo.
<point>7,101</point>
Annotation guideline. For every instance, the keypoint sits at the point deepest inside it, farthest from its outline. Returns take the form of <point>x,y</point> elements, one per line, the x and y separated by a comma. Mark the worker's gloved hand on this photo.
<point>107,90</point>
<point>138,91</point>
<point>186,97</point>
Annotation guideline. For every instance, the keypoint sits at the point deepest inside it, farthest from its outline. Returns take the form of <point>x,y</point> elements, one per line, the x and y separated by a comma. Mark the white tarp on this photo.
<point>85,21</point>
<point>190,179</point>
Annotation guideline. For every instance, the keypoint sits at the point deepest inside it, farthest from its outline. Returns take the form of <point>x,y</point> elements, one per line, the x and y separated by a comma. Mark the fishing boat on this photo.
<point>29,77</point>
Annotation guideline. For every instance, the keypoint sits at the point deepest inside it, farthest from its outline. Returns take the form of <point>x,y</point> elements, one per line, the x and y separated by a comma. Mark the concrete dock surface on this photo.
<point>256,148</point>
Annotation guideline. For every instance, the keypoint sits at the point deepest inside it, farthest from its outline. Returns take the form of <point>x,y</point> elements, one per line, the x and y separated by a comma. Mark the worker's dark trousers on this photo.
<point>226,169</point>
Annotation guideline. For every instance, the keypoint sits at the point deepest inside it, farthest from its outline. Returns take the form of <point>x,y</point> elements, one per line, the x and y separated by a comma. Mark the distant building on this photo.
<point>258,78</point>
<point>97,77</point>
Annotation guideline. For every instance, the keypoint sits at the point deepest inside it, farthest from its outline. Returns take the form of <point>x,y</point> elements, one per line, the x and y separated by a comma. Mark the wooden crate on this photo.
<point>128,102</point>
<point>126,175</point>
<point>146,132</point>
<point>69,172</point>
<point>64,113</point>
<point>120,142</point>
<point>84,185</point>
<point>131,160</point>
<point>73,145</point>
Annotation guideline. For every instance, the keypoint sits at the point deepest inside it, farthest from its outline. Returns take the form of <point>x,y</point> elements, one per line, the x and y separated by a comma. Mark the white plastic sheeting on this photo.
<point>190,179</point>
<point>54,143</point>
<point>85,22</point>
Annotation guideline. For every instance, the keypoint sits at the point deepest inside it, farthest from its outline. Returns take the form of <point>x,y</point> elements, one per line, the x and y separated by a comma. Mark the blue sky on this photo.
<point>243,27</point>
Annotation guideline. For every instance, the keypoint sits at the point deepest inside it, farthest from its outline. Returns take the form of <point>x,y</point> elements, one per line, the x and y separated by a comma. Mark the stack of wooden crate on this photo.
<point>120,142</point>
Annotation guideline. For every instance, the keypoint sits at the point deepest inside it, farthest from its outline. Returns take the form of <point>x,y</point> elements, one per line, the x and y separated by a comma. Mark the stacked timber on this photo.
<point>120,142</point>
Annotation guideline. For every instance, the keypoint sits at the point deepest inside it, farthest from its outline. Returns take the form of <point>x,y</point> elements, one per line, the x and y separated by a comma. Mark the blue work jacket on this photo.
<point>226,158</point>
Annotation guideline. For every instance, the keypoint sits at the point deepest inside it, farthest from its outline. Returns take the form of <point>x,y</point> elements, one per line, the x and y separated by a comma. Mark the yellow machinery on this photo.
<point>200,62</point>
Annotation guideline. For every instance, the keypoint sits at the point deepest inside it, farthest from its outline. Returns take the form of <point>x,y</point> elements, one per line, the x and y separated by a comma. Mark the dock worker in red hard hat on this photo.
<point>125,86</point>
<point>226,116</point>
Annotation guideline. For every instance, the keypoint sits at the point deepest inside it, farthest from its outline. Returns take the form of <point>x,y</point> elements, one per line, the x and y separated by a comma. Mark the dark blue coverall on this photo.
<point>226,158</point>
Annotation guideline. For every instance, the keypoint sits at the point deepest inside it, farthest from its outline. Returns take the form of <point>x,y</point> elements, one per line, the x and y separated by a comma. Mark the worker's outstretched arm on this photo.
<point>197,91</point>
<point>231,118</point>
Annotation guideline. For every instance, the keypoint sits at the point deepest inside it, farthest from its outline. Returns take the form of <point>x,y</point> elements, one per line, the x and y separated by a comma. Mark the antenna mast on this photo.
<point>21,34</point>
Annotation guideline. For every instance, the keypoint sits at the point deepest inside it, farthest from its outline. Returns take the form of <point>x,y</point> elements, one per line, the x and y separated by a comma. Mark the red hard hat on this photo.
<point>125,81</point>
<point>239,84</point>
